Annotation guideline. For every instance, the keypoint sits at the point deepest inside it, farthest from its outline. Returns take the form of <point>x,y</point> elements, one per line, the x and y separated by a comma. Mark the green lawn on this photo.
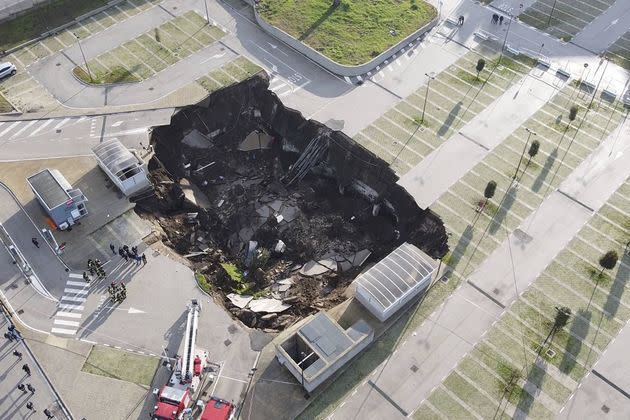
<point>42,19</point>
<point>121,365</point>
<point>353,33</point>
<point>5,106</point>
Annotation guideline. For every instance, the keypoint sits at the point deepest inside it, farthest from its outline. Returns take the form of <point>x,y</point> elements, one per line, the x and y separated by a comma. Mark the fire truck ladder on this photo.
<point>189,343</point>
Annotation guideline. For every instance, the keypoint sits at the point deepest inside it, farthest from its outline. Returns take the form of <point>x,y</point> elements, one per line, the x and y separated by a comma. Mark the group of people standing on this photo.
<point>117,291</point>
<point>129,254</point>
<point>95,267</point>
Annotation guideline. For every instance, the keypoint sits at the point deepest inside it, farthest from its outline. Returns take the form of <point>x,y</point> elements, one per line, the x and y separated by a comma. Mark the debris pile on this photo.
<point>279,214</point>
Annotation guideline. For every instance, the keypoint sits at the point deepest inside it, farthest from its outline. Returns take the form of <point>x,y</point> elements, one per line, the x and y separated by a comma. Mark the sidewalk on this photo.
<point>450,332</point>
<point>433,176</point>
<point>13,404</point>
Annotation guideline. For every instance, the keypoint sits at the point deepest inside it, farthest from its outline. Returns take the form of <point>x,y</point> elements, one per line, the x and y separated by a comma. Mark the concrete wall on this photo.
<point>310,383</point>
<point>332,66</point>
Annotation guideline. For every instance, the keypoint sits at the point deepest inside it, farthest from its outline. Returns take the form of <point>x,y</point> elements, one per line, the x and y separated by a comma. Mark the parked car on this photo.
<point>7,69</point>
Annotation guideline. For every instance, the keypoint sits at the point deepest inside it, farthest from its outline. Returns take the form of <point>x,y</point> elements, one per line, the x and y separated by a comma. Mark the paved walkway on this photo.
<point>402,382</point>
<point>13,403</point>
<point>433,176</point>
<point>598,35</point>
<point>605,392</point>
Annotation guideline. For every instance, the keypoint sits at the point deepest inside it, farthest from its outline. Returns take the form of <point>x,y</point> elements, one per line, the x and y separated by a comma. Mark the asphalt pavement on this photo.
<point>14,403</point>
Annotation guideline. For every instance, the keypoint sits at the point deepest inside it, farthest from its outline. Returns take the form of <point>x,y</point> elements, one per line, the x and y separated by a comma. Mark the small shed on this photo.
<point>320,347</point>
<point>395,280</point>
<point>124,168</point>
<point>63,204</point>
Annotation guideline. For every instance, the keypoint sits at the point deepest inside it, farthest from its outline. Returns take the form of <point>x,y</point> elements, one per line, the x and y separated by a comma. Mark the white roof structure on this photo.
<point>394,280</point>
<point>124,168</point>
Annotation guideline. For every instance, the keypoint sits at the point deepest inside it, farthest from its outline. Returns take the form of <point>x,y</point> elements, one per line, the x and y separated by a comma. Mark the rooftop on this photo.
<point>120,161</point>
<point>396,274</point>
<point>49,188</point>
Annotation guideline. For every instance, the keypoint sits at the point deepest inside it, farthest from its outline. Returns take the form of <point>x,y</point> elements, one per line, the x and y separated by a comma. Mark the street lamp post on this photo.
<point>551,13</point>
<point>530,133</point>
<point>205,2</point>
<point>510,16</point>
<point>83,55</point>
<point>424,106</point>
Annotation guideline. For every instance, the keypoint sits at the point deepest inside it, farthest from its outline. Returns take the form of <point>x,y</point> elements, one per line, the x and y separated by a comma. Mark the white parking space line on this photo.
<point>63,331</point>
<point>40,128</point>
<point>10,127</point>
<point>68,323</point>
<point>68,314</point>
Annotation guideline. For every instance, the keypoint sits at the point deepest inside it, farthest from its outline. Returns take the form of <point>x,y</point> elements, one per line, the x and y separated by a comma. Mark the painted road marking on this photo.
<point>17,133</point>
<point>71,307</point>
<point>61,124</point>
<point>75,283</point>
<point>6,130</point>
<point>76,291</point>
<point>73,299</point>
<point>68,314</point>
<point>40,128</point>
<point>75,276</point>
<point>63,331</point>
<point>68,323</point>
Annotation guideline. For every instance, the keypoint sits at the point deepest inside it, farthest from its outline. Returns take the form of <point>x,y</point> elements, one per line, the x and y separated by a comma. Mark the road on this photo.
<point>74,136</point>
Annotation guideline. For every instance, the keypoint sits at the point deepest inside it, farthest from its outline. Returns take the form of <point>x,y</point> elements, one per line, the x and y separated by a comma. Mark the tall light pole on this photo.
<point>506,37</point>
<point>530,133</point>
<point>205,2</point>
<point>83,55</point>
<point>552,10</point>
<point>424,106</point>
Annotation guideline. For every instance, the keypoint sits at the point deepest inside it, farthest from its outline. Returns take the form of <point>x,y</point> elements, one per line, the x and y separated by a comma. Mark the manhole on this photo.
<point>444,278</point>
<point>496,291</point>
<point>58,64</point>
<point>20,311</point>
<point>605,408</point>
<point>550,353</point>
<point>222,49</point>
<point>58,130</point>
<point>150,88</point>
<point>227,342</point>
<point>414,368</point>
<point>204,393</point>
<point>174,7</point>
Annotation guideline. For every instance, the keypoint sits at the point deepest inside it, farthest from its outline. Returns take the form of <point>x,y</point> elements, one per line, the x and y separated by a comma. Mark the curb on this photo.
<point>9,315</point>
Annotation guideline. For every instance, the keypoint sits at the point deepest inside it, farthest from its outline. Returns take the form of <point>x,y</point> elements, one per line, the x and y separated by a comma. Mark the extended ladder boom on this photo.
<point>190,338</point>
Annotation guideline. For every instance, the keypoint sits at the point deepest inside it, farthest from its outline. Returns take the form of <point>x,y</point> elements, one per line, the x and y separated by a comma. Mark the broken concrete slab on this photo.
<point>256,140</point>
<point>264,211</point>
<point>193,194</point>
<point>240,301</point>
<point>360,257</point>
<point>315,268</point>
<point>197,140</point>
<point>268,305</point>
<point>276,205</point>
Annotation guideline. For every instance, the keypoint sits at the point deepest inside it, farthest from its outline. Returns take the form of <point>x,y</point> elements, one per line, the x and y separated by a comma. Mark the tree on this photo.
<point>533,151</point>
<point>573,113</point>
<point>563,314</point>
<point>488,193</point>
<point>481,63</point>
<point>608,261</point>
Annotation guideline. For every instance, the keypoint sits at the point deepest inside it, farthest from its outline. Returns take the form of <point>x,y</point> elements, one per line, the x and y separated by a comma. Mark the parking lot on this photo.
<point>619,51</point>
<point>499,376</point>
<point>23,91</point>
<point>455,97</point>
<point>151,52</point>
<point>568,18</point>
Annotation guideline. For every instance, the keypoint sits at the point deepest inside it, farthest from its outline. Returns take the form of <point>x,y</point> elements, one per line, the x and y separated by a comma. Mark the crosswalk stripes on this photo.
<point>67,320</point>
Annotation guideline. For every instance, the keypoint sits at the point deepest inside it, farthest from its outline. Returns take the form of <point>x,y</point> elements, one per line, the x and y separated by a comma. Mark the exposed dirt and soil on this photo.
<point>288,219</point>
